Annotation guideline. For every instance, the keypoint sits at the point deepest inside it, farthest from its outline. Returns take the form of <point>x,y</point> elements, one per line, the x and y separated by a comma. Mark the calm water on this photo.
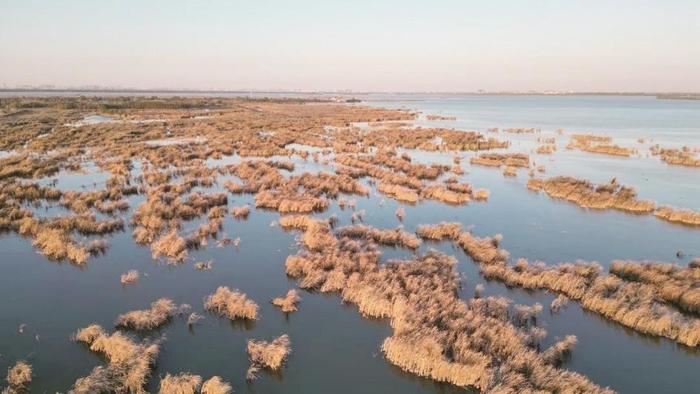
<point>334,349</point>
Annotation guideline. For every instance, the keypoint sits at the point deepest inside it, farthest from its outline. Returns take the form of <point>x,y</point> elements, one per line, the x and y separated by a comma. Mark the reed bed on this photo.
<point>677,285</point>
<point>435,334</point>
<point>588,195</point>
<point>676,215</point>
<point>270,355</point>
<point>502,159</point>
<point>231,304</point>
<point>394,237</point>
<point>597,144</point>
<point>678,157</point>
<point>636,305</point>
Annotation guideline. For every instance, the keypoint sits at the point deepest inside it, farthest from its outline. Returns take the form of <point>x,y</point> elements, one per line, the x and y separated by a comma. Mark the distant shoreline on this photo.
<point>185,92</point>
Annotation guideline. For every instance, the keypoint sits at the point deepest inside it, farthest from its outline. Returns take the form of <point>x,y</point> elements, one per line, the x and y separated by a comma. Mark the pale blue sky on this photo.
<point>436,45</point>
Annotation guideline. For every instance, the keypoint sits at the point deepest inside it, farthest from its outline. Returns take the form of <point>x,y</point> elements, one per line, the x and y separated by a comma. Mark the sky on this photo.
<point>399,46</point>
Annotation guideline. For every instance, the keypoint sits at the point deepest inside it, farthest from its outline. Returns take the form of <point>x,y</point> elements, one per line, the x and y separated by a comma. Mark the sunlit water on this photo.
<point>334,349</point>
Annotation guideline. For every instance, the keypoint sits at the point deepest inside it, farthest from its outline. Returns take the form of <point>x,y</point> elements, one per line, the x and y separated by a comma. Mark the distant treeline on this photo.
<point>118,104</point>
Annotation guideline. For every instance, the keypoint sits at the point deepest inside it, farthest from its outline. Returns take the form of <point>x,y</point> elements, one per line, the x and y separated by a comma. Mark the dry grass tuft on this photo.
<point>288,303</point>
<point>159,313</point>
<point>240,212</point>
<point>170,245</point>
<point>231,304</point>
<point>400,213</point>
<point>558,352</point>
<point>558,303</point>
<point>216,385</point>
<point>399,193</point>
<point>597,144</point>
<point>129,362</point>
<point>440,231</point>
<point>203,265</point>
<point>183,383</point>
<point>269,355</point>
<point>481,194</point>
<point>19,376</point>
<point>130,277</point>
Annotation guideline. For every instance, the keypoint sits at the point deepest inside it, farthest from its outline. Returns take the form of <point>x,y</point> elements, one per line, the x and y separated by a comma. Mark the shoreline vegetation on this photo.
<point>484,343</point>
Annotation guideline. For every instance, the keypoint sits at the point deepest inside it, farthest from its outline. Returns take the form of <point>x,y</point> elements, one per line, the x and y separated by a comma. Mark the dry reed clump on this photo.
<point>597,144</point>
<point>546,149</point>
<point>129,362</point>
<point>675,215</point>
<point>285,202</point>
<point>394,237</point>
<point>440,117</point>
<point>193,319</point>
<point>510,171</point>
<point>558,303</point>
<point>130,277</point>
<point>170,245</point>
<point>183,383</point>
<point>400,213</point>
<point>637,305</point>
<point>435,334</point>
<point>158,314</point>
<point>216,385</point>
<point>502,159</point>
<point>399,193</point>
<point>269,355</point>
<point>317,233</point>
<point>678,157</point>
<point>288,303</point>
<point>440,231</point>
<point>203,265</point>
<point>558,352</point>
<point>18,377</point>
<point>440,193</point>
<point>240,212</point>
<point>481,194</point>
<point>57,245</point>
<point>588,195</point>
<point>231,304</point>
